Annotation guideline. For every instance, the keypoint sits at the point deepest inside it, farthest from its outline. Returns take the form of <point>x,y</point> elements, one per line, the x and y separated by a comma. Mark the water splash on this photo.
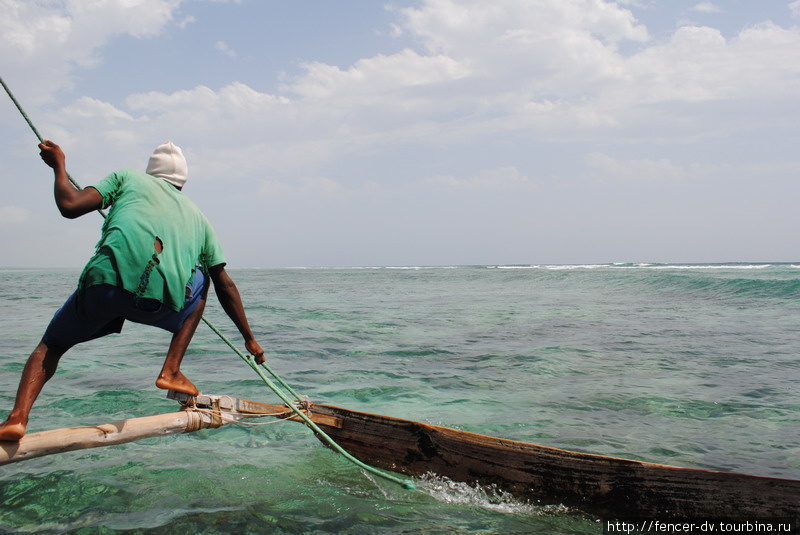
<point>489,497</point>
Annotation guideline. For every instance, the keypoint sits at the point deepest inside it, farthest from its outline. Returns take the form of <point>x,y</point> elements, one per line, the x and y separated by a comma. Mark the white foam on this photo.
<point>562,267</point>
<point>364,268</point>
<point>570,267</point>
<point>488,497</point>
<point>711,266</point>
<point>641,265</point>
<point>420,267</point>
<point>554,267</point>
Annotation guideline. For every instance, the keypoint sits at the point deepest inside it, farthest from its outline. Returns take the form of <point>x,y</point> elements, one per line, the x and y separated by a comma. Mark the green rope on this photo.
<point>249,358</point>
<point>24,115</point>
<point>36,132</point>
<point>314,427</point>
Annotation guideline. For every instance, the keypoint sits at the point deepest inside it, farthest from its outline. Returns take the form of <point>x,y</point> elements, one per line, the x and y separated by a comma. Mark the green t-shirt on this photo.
<point>145,208</point>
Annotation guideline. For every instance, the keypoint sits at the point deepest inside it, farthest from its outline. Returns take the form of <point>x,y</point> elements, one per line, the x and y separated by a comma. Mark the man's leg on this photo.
<point>171,377</point>
<point>39,368</point>
<point>70,326</point>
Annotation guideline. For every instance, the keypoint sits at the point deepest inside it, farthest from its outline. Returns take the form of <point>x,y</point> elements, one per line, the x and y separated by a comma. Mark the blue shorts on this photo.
<point>103,309</point>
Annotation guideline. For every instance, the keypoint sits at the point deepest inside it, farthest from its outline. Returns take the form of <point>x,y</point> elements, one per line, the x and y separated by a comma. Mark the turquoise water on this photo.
<point>690,365</point>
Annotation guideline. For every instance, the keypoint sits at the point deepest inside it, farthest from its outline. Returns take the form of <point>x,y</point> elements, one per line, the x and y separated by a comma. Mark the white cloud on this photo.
<point>794,8</point>
<point>541,46</point>
<point>317,186</point>
<point>13,215</point>
<point>87,107</point>
<point>223,47</point>
<point>636,170</point>
<point>515,65</point>
<point>487,74</point>
<point>706,7</point>
<point>540,69</point>
<point>56,35</point>
<point>460,27</point>
<point>233,98</point>
<point>186,21</point>
<point>378,76</point>
<point>698,64</point>
<point>507,178</point>
<point>537,66</point>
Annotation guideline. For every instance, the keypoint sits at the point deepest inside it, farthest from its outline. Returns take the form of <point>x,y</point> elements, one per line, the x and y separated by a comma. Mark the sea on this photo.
<point>693,365</point>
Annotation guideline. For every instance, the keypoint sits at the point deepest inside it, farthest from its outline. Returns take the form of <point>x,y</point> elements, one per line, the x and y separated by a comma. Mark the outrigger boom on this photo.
<point>199,412</point>
<point>609,486</point>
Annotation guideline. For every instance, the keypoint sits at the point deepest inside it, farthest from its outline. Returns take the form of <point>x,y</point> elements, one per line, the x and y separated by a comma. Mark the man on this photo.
<point>151,266</point>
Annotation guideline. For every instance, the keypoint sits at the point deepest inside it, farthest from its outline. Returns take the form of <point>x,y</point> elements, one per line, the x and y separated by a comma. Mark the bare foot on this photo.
<point>177,382</point>
<point>12,432</point>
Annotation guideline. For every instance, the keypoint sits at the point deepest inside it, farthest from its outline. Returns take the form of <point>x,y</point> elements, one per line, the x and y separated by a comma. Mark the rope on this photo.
<point>249,358</point>
<point>36,132</point>
<point>24,115</point>
<point>314,427</point>
<point>213,412</point>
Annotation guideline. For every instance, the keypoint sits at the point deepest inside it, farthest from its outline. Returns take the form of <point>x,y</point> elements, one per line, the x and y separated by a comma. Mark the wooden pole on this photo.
<point>77,438</point>
<point>212,411</point>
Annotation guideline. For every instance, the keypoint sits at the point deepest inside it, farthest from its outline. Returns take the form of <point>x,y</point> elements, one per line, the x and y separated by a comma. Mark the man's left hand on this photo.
<point>254,349</point>
<point>52,154</point>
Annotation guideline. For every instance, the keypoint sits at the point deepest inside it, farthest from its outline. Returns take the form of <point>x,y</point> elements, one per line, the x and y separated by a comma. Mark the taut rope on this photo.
<point>36,132</point>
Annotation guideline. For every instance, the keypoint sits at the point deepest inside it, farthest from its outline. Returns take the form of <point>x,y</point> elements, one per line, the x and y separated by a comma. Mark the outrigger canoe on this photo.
<point>608,486</point>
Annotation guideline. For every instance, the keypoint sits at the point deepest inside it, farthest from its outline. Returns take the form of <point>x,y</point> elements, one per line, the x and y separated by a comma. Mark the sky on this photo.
<point>417,133</point>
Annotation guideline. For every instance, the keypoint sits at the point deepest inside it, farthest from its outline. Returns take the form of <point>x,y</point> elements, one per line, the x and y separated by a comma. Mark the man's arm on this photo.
<point>71,202</point>
<point>231,301</point>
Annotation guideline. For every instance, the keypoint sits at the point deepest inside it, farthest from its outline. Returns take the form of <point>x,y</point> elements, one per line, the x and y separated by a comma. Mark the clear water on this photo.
<point>690,365</point>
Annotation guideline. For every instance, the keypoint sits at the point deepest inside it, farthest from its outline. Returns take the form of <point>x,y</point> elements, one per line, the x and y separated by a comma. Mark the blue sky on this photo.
<point>435,132</point>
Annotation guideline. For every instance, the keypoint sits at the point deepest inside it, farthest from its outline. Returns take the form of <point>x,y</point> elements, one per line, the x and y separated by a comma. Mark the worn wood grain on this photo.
<point>44,443</point>
<point>598,484</point>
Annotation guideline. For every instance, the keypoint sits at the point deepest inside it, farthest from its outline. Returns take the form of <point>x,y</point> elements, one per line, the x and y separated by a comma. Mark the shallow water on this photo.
<point>690,365</point>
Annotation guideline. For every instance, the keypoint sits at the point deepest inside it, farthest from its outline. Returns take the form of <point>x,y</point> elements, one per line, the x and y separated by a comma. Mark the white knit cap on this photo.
<point>167,162</point>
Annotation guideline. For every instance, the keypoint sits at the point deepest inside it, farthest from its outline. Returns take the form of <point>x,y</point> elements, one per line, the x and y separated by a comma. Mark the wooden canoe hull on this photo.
<point>608,486</point>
